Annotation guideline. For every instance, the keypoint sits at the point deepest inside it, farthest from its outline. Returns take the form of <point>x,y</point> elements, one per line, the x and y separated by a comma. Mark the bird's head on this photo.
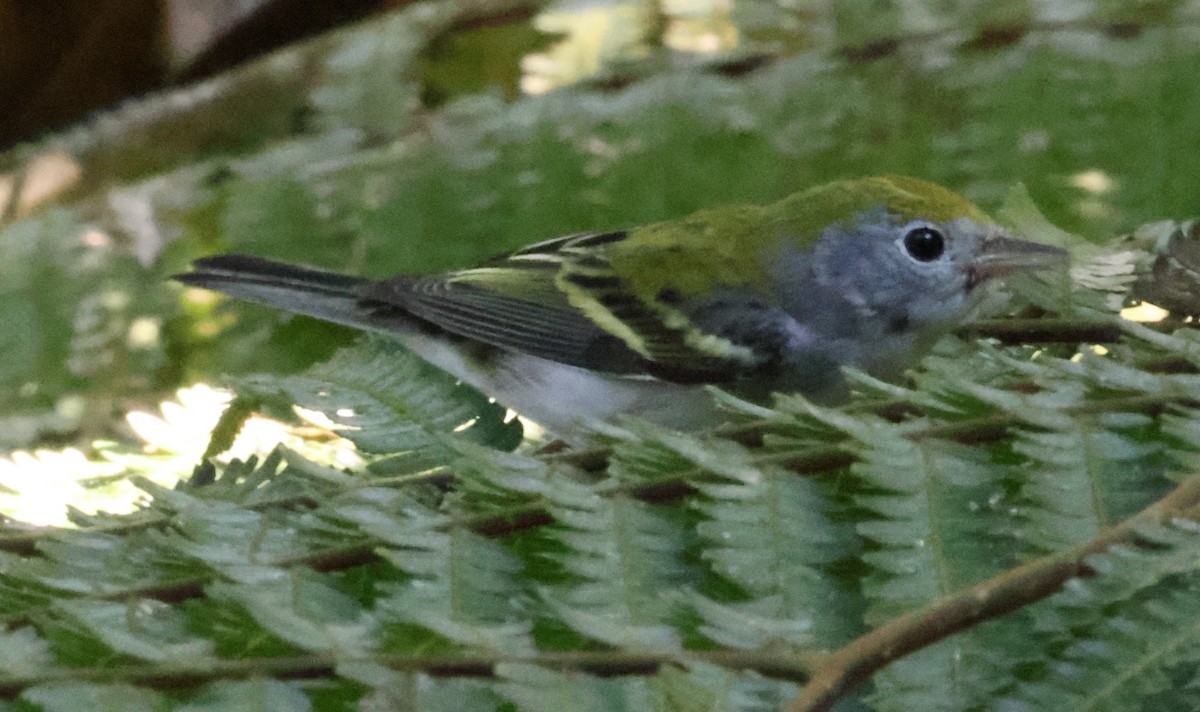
<point>907,249</point>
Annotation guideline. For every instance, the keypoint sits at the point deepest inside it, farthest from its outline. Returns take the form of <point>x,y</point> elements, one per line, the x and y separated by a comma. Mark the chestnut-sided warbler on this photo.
<point>863,273</point>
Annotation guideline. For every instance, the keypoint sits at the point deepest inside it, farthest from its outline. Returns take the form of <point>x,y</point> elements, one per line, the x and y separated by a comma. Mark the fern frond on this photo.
<point>619,555</point>
<point>1146,645</point>
<point>390,402</point>
<point>461,586</point>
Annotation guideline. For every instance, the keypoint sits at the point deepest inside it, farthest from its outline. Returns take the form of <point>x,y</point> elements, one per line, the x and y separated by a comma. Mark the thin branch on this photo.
<point>602,663</point>
<point>1026,331</point>
<point>844,669</point>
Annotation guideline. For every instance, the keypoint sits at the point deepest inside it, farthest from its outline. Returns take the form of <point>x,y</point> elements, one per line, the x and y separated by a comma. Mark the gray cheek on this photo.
<point>821,305</point>
<point>825,288</point>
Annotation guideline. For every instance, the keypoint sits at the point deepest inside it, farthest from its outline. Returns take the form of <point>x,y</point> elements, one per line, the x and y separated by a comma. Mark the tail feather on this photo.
<point>301,290</point>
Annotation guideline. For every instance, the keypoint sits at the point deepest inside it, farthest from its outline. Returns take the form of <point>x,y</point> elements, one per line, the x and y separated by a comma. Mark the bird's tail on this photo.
<point>301,290</point>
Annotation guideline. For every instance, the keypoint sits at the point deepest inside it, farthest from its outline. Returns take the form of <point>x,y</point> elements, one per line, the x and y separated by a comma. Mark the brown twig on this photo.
<point>602,663</point>
<point>1025,331</point>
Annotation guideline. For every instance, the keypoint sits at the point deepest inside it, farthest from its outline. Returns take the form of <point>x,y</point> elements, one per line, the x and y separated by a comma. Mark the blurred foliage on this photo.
<point>441,133</point>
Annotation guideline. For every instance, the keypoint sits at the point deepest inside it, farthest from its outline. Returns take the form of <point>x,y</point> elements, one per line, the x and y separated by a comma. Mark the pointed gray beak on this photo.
<point>1001,255</point>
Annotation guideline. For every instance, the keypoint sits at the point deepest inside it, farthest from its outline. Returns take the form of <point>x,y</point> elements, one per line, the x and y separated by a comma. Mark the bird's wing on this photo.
<point>561,300</point>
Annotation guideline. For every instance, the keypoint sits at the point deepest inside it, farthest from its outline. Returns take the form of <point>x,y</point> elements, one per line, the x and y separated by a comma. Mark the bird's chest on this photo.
<point>808,356</point>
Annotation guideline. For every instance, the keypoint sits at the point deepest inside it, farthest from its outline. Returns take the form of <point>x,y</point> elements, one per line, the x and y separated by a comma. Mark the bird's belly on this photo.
<point>562,398</point>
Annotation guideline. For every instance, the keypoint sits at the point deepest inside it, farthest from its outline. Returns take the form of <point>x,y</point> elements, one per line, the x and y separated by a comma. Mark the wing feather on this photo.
<point>542,324</point>
<point>561,300</point>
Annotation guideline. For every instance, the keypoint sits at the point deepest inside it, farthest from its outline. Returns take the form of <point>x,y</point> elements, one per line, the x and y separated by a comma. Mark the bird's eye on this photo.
<point>924,244</point>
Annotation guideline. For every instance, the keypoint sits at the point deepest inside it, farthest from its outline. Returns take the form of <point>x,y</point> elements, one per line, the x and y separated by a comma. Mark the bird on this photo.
<point>753,299</point>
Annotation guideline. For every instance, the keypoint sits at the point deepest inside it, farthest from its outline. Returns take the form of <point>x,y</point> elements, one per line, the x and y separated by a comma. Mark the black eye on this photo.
<point>924,244</point>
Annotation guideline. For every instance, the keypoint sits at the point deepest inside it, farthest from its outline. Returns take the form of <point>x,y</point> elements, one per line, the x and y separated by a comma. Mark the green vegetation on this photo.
<point>342,527</point>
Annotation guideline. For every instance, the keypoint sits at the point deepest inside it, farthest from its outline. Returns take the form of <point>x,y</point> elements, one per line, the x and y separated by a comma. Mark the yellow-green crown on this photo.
<point>906,197</point>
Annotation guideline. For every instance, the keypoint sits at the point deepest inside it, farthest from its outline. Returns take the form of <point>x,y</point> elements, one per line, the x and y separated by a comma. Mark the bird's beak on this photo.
<point>1000,255</point>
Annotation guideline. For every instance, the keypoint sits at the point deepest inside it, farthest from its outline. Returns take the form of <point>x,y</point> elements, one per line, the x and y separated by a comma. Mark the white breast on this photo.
<point>564,398</point>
